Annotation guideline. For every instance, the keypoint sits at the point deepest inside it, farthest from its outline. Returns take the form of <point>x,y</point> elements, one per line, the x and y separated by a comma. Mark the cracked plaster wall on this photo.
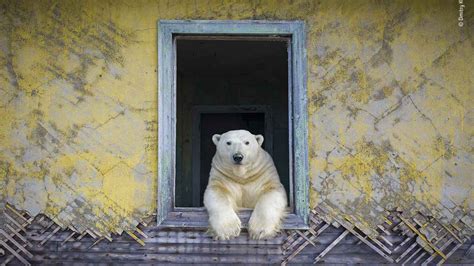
<point>389,92</point>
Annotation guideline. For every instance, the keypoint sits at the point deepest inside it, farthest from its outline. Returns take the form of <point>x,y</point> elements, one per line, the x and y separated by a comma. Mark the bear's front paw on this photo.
<point>262,228</point>
<point>225,226</point>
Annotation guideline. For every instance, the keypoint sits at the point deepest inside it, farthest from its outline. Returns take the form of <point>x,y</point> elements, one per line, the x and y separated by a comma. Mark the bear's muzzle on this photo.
<point>238,157</point>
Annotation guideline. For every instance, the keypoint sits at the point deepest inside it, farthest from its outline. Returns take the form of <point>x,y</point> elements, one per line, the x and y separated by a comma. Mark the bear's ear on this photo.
<point>216,138</point>
<point>259,139</point>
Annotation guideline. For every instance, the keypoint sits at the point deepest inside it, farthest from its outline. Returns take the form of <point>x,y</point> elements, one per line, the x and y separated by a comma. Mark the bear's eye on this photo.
<point>228,143</point>
<point>247,143</point>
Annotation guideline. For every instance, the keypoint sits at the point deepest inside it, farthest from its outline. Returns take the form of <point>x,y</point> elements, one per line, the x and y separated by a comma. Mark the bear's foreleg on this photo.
<point>268,214</point>
<point>223,221</point>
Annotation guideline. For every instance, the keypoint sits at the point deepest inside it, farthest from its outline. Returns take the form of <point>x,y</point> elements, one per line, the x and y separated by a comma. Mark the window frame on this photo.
<point>167,214</point>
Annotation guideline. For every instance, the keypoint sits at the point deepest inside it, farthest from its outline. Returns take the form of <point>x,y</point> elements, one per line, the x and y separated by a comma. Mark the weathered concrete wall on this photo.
<point>390,106</point>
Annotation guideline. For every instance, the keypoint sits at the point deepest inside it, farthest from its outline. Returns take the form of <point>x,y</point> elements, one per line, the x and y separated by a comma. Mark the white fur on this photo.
<point>252,184</point>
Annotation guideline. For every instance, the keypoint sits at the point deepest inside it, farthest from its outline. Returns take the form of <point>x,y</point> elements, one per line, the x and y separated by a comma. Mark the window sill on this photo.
<point>198,218</point>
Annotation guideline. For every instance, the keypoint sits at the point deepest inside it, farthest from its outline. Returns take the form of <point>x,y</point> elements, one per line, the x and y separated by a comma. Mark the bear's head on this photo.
<point>237,147</point>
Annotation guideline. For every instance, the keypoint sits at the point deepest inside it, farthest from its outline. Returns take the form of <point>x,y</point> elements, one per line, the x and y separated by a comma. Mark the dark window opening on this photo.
<point>224,85</point>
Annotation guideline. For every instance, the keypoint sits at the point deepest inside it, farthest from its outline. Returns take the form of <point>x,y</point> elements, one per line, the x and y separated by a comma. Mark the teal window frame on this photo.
<point>167,214</point>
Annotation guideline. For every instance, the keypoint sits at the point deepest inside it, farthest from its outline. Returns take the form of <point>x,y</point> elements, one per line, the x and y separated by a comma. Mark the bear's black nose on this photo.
<point>238,157</point>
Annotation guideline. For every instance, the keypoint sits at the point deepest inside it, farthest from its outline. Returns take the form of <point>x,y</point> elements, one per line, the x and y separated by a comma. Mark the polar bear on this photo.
<point>243,176</point>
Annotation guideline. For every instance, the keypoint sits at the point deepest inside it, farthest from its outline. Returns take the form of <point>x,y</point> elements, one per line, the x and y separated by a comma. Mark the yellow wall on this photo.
<point>390,106</point>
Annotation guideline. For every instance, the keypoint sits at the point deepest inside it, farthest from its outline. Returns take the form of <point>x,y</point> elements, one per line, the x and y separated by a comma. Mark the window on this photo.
<point>225,83</point>
<point>215,76</point>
